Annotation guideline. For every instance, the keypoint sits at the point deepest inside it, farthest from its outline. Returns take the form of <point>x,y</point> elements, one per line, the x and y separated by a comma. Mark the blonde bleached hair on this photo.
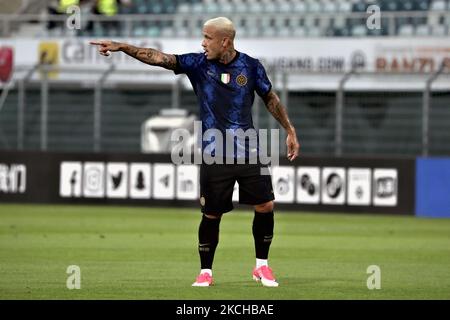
<point>222,24</point>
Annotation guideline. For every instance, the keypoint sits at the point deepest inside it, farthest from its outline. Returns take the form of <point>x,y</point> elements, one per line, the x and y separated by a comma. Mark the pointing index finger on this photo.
<point>96,42</point>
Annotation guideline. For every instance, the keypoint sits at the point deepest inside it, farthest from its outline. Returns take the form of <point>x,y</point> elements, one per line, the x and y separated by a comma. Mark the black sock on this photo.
<point>263,233</point>
<point>208,238</point>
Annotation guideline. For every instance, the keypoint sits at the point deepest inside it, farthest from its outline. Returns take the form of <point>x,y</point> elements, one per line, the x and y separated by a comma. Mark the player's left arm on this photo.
<point>279,112</point>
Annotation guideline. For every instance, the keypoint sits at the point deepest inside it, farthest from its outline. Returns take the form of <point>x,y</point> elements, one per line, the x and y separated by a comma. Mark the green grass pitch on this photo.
<point>151,253</point>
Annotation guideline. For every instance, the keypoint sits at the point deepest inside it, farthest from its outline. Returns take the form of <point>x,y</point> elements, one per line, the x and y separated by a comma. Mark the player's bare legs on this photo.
<point>263,223</point>
<point>208,238</point>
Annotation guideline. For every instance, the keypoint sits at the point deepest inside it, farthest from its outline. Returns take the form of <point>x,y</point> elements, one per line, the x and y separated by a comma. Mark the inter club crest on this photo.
<point>241,80</point>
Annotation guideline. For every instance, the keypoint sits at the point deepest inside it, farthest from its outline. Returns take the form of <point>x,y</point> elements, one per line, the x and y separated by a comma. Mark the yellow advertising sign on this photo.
<point>49,55</point>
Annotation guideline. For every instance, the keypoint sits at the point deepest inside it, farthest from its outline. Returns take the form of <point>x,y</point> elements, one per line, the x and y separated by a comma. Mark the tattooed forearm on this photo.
<point>278,111</point>
<point>151,56</point>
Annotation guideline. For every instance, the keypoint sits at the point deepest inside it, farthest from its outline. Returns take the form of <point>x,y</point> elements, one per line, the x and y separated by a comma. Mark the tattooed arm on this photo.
<point>278,111</point>
<point>145,55</point>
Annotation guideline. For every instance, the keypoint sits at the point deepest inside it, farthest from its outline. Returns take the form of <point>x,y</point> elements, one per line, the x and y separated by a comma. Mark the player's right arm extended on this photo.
<point>146,55</point>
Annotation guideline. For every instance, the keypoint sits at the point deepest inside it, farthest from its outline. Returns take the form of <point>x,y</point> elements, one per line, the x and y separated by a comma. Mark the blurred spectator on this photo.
<point>126,6</point>
<point>108,8</point>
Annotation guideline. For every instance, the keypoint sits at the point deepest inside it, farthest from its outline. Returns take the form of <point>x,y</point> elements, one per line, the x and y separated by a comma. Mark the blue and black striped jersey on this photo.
<point>225,92</point>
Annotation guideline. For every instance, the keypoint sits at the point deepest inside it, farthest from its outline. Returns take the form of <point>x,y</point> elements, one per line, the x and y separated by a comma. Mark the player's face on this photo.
<point>213,43</point>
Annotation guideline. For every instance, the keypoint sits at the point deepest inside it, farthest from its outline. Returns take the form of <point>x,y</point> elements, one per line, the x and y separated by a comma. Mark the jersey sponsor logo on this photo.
<point>225,78</point>
<point>241,80</point>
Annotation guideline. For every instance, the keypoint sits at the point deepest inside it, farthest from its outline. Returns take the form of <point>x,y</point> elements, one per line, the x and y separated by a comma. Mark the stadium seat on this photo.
<point>285,7</point>
<point>423,30</point>
<point>435,18</point>
<point>183,8</point>
<point>310,21</point>
<point>388,5</point>
<point>439,30</point>
<point>269,32</point>
<point>180,24</point>
<point>359,6</point>
<point>197,8</point>
<point>344,6</point>
<point>182,32</point>
<point>141,7</point>
<point>314,32</point>
<point>285,32</point>
<point>139,30</point>
<point>225,6</point>
<point>339,22</point>
<point>299,6</point>
<point>314,6</point>
<point>329,6</point>
<point>167,32</point>
<point>281,22</point>
<point>359,30</point>
<point>197,32</point>
<point>328,32</point>
<point>211,6</point>
<point>169,6</point>
<point>343,32</point>
<point>253,31</point>
<point>254,7</point>
<point>299,32</point>
<point>438,5</point>
<point>240,22</point>
<point>406,30</point>
<point>154,7</point>
<point>153,31</point>
<point>240,6</point>
<point>406,5</point>
<point>421,5</point>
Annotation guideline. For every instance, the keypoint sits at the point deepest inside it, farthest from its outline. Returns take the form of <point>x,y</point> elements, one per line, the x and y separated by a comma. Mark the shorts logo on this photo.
<point>202,201</point>
<point>225,78</point>
<point>241,80</point>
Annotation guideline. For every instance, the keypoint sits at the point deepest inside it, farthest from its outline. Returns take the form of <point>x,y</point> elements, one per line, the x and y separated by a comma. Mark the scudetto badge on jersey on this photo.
<point>225,78</point>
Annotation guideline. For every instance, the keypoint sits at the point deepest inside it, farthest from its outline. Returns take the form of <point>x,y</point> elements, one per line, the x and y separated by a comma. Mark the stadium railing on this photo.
<point>336,139</point>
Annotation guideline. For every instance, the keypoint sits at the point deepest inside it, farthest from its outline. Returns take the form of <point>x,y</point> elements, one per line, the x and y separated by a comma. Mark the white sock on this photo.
<point>261,262</point>
<point>209,271</point>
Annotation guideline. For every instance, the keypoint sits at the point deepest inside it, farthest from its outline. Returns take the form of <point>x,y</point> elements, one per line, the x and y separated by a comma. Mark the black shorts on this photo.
<point>217,183</point>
